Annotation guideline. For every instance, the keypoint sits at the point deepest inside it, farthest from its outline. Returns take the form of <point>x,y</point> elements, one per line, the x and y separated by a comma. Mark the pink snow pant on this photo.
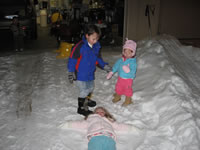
<point>124,87</point>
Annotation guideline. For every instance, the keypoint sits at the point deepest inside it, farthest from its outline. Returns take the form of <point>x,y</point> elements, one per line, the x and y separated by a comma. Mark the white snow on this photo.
<point>166,99</point>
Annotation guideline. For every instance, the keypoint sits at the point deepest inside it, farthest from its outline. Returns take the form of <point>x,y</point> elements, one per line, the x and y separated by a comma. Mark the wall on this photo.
<point>136,25</point>
<point>180,18</point>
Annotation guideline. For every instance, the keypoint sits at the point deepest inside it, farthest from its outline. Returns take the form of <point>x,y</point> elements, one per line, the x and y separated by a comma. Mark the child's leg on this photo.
<point>116,98</point>
<point>82,101</point>
<point>119,87</point>
<point>90,87</point>
<point>101,143</point>
<point>83,88</point>
<point>15,40</point>
<point>128,92</point>
<point>118,91</point>
<point>21,43</point>
<point>124,87</point>
<point>127,101</point>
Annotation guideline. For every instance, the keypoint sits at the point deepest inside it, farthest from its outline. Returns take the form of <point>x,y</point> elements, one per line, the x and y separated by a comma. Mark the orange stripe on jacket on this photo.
<point>72,52</point>
<point>78,62</point>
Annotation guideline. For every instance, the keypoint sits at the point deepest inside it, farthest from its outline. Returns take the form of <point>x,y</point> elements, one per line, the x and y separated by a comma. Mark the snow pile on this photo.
<point>166,100</point>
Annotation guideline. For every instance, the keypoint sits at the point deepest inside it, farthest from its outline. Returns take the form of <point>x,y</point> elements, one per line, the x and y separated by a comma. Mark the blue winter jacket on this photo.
<point>83,60</point>
<point>120,63</point>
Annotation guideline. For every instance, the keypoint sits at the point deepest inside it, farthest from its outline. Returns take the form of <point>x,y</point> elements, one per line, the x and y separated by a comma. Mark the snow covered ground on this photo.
<point>166,99</point>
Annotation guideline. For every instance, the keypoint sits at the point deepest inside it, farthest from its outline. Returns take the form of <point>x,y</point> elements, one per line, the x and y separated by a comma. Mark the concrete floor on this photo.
<point>45,41</point>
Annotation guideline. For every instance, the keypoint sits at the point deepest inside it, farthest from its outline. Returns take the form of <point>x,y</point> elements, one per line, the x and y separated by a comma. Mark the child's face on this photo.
<point>100,112</point>
<point>128,53</point>
<point>93,38</point>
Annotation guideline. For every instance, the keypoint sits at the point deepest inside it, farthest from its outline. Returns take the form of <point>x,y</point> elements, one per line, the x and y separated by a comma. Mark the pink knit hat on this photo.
<point>130,44</point>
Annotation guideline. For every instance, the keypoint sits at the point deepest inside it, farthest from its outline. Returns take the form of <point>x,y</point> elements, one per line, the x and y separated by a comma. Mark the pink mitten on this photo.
<point>126,68</point>
<point>109,75</point>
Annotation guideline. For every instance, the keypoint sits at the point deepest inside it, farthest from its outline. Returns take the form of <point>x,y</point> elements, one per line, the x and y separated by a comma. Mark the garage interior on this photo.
<point>64,20</point>
<point>135,19</point>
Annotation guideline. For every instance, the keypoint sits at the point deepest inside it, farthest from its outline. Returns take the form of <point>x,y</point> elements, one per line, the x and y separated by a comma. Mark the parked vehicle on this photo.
<point>25,13</point>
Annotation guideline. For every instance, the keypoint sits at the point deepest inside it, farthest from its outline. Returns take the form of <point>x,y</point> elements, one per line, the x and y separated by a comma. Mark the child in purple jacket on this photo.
<point>101,127</point>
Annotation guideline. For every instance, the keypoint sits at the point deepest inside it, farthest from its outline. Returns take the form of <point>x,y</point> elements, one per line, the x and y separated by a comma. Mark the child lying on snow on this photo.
<point>101,127</point>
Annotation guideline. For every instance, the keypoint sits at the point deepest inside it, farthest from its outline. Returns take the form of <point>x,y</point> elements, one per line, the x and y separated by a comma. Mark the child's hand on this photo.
<point>110,74</point>
<point>65,125</point>
<point>71,77</point>
<point>107,68</point>
<point>126,68</point>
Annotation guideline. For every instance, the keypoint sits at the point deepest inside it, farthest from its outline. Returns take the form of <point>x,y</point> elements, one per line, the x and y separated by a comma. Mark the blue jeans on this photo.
<point>85,87</point>
<point>101,143</point>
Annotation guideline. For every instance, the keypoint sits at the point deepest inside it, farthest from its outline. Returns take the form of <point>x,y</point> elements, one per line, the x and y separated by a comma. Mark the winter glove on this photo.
<point>71,77</point>
<point>110,74</point>
<point>126,68</point>
<point>107,68</point>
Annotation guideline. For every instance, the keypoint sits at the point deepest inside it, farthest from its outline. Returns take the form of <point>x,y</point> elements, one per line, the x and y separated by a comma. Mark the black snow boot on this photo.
<point>91,103</point>
<point>83,107</point>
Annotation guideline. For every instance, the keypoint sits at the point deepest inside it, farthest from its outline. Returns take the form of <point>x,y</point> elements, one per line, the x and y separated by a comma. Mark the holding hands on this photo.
<point>66,125</point>
<point>125,68</point>
<point>107,68</point>
<point>109,76</point>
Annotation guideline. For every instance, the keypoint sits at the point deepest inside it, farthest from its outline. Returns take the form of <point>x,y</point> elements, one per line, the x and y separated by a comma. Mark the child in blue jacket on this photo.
<point>84,57</point>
